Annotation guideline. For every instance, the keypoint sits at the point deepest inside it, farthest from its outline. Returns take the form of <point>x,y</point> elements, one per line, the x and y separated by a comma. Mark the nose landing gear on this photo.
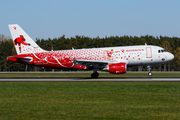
<point>149,70</point>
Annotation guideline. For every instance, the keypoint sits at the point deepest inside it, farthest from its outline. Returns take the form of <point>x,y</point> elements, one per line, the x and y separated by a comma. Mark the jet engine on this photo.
<point>116,68</point>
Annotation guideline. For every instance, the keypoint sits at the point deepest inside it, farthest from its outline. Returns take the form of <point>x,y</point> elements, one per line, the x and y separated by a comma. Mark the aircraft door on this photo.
<point>148,52</point>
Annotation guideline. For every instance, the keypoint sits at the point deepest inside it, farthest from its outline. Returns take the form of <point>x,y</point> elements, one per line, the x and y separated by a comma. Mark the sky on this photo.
<point>45,19</point>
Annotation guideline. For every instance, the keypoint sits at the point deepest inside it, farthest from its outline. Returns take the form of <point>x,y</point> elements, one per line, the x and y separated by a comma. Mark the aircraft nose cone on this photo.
<point>170,56</point>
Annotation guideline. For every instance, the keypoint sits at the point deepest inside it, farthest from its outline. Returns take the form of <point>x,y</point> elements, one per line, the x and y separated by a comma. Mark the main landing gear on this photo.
<point>95,74</point>
<point>149,70</point>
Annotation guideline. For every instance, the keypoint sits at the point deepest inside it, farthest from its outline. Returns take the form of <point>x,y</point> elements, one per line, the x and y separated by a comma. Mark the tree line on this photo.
<point>171,44</point>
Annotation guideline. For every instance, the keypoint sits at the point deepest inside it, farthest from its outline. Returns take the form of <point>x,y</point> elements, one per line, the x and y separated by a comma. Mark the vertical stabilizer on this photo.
<point>23,43</point>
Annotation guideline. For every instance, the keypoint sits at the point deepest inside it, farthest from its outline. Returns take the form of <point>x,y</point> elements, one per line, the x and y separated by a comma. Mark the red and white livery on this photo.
<point>112,59</point>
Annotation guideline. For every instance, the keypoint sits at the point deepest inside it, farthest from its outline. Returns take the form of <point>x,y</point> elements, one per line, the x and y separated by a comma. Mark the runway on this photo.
<point>68,79</point>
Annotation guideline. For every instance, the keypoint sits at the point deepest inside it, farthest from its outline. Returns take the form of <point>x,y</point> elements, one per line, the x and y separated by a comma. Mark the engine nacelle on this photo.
<point>117,68</point>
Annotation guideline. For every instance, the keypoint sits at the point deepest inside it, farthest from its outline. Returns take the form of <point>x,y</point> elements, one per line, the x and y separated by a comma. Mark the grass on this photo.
<point>78,74</point>
<point>89,100</point>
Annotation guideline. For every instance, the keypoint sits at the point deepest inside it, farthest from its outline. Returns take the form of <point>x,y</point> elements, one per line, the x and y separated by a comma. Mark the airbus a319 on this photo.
<point>111,59</point>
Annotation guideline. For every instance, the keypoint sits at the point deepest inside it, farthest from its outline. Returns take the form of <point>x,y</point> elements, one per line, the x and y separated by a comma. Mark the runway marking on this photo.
<point>89,79</point>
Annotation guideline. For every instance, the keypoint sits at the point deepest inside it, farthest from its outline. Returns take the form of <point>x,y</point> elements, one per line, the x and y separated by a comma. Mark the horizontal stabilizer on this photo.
<point>15,59</point>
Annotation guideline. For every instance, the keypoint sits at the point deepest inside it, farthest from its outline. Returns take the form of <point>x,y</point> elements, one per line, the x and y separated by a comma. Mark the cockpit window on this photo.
<point>161,51</point>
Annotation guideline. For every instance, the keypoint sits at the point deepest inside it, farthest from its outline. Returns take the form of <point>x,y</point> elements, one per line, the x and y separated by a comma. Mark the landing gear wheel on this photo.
<point>94,75</point>
<point>149,73</point>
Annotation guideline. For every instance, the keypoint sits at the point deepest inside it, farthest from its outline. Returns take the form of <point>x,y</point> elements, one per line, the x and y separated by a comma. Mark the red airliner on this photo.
<point>111,59</point>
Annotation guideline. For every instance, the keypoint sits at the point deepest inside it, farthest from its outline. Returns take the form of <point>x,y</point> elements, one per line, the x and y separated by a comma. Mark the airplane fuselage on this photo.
<point>131,55</point>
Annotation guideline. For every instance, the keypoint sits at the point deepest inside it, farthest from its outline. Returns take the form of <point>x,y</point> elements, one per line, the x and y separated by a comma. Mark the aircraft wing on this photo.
<point>89,63</point>
<point>95,63</point>
<point>92,61</point>
<point>99,62</point>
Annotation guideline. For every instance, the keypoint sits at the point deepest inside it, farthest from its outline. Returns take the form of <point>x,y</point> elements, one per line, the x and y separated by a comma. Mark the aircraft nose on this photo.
<point>170,56</point>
